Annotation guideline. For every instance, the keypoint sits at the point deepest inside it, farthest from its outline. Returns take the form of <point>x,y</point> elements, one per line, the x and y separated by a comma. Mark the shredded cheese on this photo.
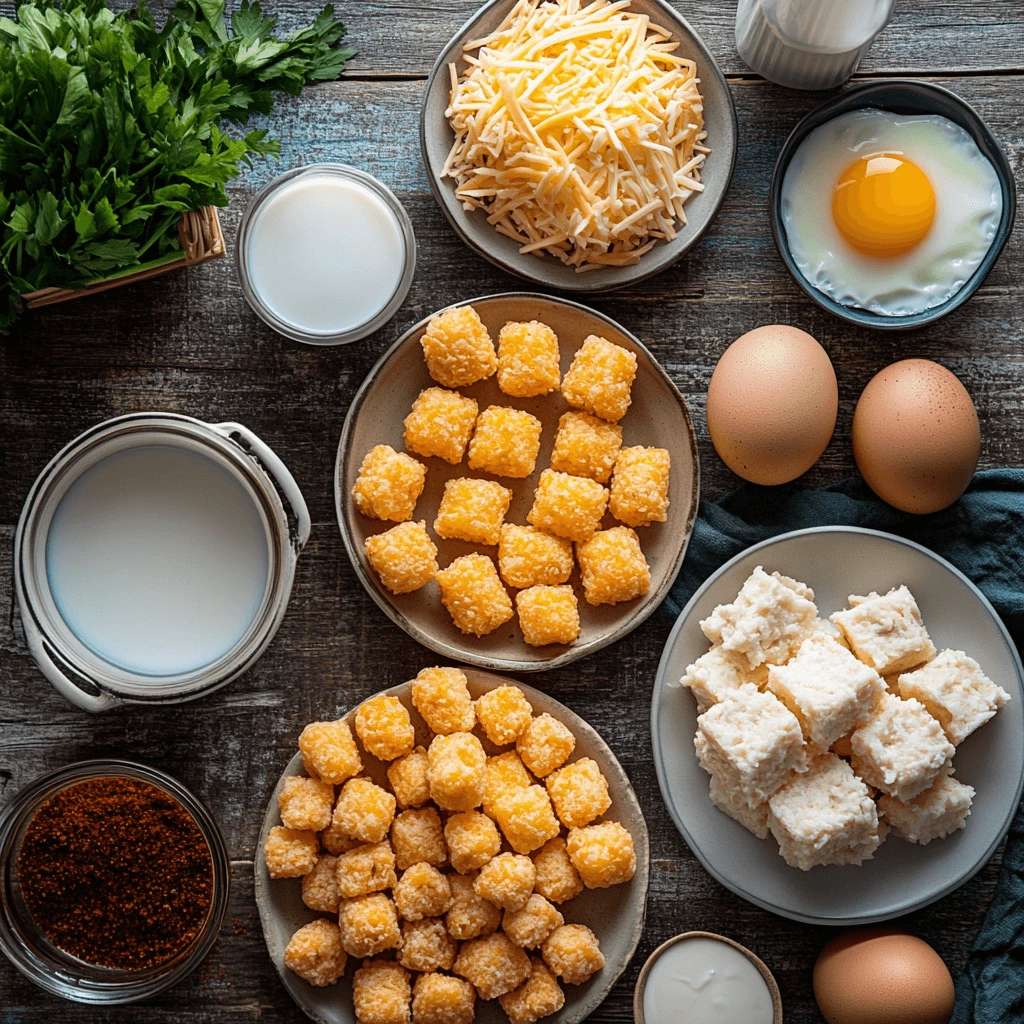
<point>578,131</point>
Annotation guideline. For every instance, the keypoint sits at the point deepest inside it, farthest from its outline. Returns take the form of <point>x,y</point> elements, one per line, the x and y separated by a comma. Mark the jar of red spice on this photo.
<point>114,882</point>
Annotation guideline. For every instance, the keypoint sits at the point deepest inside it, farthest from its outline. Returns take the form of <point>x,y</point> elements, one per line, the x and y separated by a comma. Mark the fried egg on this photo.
<point>890,212</point>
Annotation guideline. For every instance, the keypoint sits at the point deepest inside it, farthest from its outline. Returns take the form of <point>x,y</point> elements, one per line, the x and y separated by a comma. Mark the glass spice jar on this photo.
<point>26,945</point>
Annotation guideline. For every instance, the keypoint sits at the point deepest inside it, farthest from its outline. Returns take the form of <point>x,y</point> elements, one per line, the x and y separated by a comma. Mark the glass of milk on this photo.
<point>808,44</point>
<point>326,254</point>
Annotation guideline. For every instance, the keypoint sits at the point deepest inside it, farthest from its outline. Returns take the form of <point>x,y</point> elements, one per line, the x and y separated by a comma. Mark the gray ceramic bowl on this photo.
<point>835,562</point>
<point>616,915</point>
<point>657,417</point>
<point>901,97</point>
<point>437,138</point>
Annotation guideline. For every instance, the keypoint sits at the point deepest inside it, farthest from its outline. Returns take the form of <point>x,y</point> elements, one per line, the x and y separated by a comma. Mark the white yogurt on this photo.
<point>704,981</point>
<point>325,253</point>
<point>157,559</point>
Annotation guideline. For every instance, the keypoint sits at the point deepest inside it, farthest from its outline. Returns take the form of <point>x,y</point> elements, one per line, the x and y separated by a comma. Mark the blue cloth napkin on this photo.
<point>983,536</point>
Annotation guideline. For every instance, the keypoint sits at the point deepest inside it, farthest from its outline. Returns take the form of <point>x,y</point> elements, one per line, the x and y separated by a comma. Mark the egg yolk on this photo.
<point>883,205</point>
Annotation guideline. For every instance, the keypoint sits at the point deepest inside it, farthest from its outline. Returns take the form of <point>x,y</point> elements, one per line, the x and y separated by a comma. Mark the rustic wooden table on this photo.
<point>188,342</point>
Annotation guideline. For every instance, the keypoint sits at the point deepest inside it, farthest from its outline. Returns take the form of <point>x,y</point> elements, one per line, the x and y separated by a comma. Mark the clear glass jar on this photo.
<point>808,44</point>
<point>25,945</point>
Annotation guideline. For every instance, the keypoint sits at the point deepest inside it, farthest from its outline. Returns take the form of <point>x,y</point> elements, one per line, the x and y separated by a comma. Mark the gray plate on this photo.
<point>836,562</point>
<point>657,417</point>
<point>615,915</point>
<point>437,138</point>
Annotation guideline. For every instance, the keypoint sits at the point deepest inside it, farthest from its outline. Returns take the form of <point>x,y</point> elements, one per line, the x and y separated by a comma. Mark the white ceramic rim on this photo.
<point>661,681</point>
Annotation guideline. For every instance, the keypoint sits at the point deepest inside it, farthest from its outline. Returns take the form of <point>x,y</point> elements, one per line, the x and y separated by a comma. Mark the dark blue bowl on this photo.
<point>901,97</point>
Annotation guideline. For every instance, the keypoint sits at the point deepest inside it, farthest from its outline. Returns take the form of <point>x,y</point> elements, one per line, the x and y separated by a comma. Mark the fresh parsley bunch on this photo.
<point>111,128</point>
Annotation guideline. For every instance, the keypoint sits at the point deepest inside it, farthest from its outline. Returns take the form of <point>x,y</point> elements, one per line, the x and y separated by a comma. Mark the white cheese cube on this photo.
<point>719,674</point>
<point>752,741</point>
<point>901,749</point>
<point>824,816</point>
<point>732,802</point>
<point>937,812</point>
<point>956,692</point>
<point>827,688</point>
<point>886,632</point>
<point>770,618</point>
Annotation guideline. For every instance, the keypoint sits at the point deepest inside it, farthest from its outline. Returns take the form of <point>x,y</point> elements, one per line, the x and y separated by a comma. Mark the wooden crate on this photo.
<point>201,239</point>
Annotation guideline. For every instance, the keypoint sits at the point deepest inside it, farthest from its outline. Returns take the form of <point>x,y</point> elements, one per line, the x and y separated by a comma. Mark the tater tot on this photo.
<point>539,996</point>
<point>526,818</point>
<point>568,506</point>
<point>290,853</point>
<point>329,752</point>
<point>470,915</point>
<point>502,773</point>
<point>544,745</point>
<point>315,953</point>
<point>600,378</point>
<point>439,999</point>
<point>530,926</point>
<point>455,771</point>
<point>493,965</point>
<point>557,879</point>
<point>416,835</point>
<point>472,840</point>
<point>367,868</point>
<point>505,442</point>
<point>586,445</point>
<point>426,946</point>
<point>503,713</point>
<point>389,484</point>
<point>579,792</point>
<point>422,891</point>
<point>528,557</point>
<point>548,615</point>
<point>440,424</point>
<point>639,491</point>
<point>369,925</point>
<point>335,840</point>
<point>602,854</point>
<point>404,557</point>
<point>441,696</point>
<point>408,778</point>
<point>305,804</point>
<point>613,567</point>
<point>384,727</point>
<point>472,510</point>
<point>381,993</point>
<point>506,880</point>
<point>458,349</point>
<point>320,886</point>
<point>364,810</point>
<point>528,359</point>
<point>573,953</point>
<point>473,595</point>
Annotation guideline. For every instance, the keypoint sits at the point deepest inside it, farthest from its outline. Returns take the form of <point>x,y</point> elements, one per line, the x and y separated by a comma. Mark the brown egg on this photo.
<point>916,437</point>
<point>772,404</point>
<point>882,976</point>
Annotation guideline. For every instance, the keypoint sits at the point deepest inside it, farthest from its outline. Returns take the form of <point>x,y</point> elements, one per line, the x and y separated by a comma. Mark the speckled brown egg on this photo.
<point>772,404</point>
<point>916,437</point>
<point>882,976</point>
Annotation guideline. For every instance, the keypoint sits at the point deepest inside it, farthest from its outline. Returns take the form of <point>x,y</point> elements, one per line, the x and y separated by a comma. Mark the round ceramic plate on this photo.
<point>437,139</point>
<point>836,562</point>
<point>616,915</point>
<point>657,417</point>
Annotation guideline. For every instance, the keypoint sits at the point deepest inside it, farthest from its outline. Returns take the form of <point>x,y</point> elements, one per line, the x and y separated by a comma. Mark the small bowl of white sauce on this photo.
<point>326,254</point>
<point>703,978</point>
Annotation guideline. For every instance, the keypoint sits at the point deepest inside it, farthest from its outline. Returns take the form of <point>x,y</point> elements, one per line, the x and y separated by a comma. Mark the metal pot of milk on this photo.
<point>154,559</point>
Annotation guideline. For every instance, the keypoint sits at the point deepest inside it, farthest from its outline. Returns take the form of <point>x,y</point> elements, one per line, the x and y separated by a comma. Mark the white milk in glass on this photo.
<point>157,559</point>
<point>325,254</point>
<point>704,981</point>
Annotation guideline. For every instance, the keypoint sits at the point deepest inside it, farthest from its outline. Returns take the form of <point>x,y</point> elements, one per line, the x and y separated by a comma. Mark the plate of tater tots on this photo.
<point>837,724</point>
<point>458,848</point>
<point>517,481</point>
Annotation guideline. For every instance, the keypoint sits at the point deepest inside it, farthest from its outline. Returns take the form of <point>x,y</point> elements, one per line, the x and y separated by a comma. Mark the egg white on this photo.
<point>968,205</point>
